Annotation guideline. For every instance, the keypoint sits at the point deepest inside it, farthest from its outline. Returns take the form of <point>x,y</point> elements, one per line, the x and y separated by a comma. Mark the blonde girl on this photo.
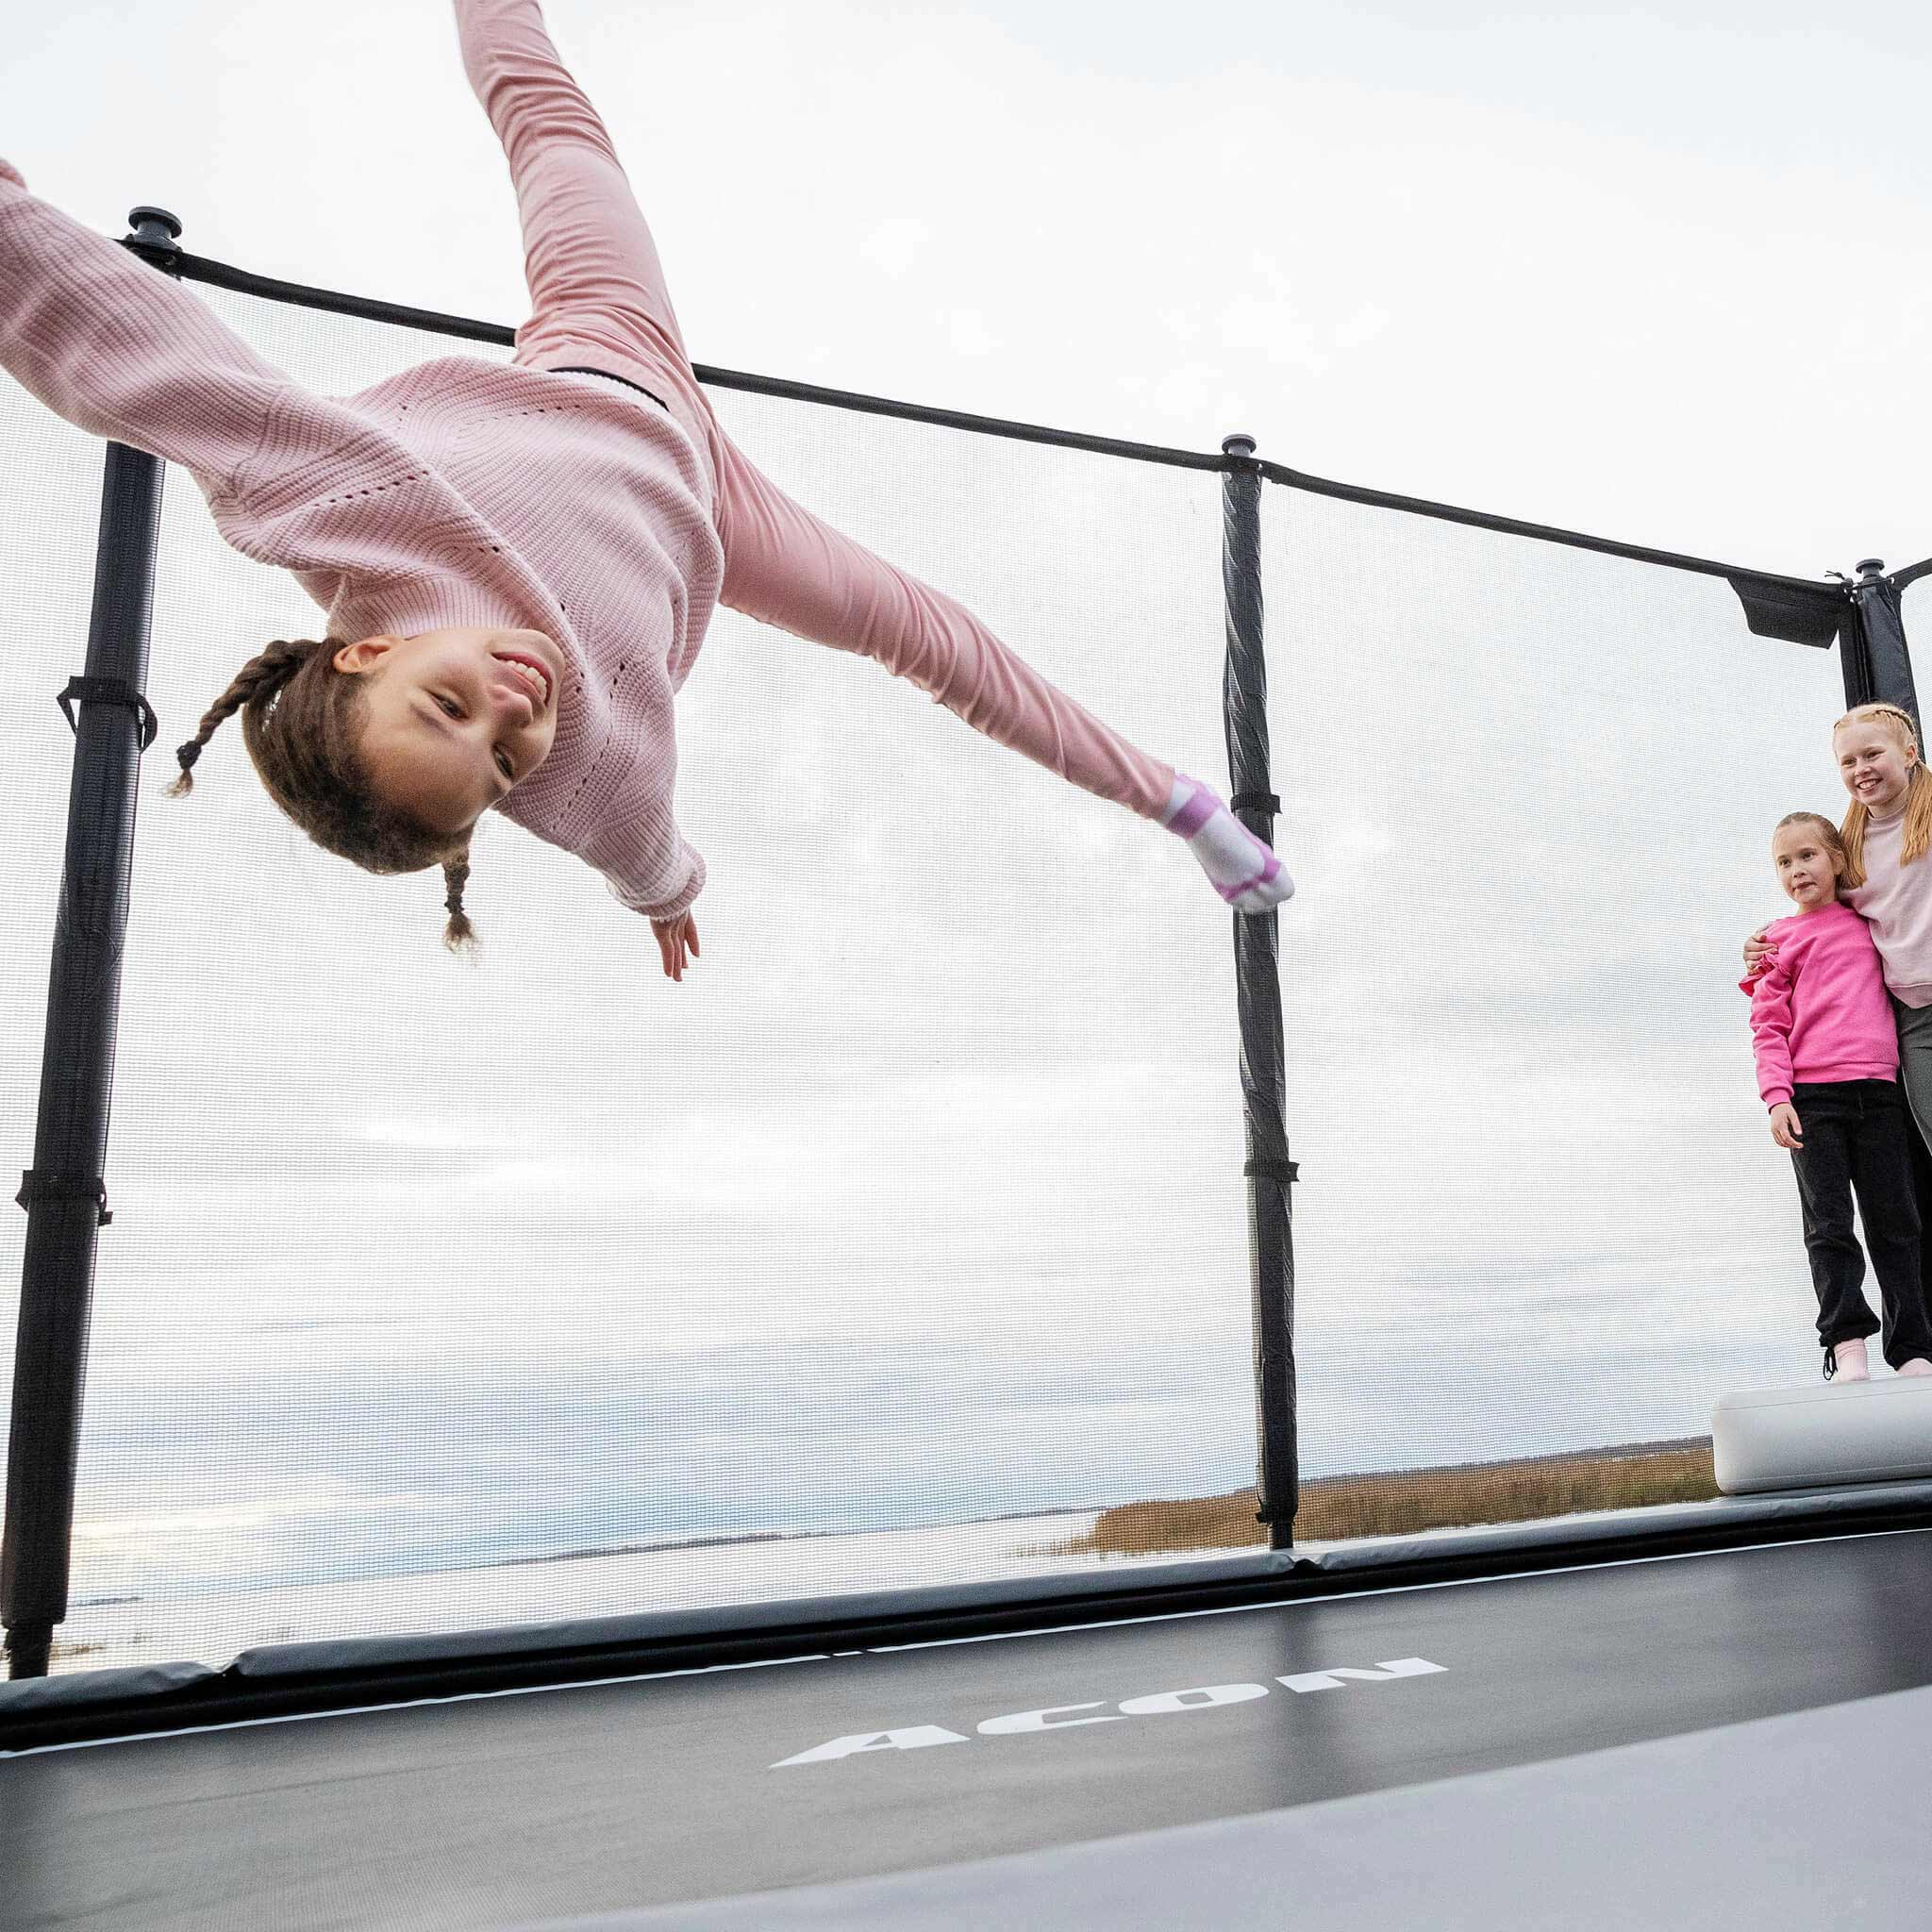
<point>518,564</point>
<point>1887,834</point>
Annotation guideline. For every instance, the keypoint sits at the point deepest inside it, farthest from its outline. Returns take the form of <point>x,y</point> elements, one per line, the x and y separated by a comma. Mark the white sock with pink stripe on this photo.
<point>1242,870</point>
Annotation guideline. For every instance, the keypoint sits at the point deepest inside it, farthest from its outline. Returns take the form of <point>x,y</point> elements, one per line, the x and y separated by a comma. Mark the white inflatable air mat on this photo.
<point>1825,1433</point>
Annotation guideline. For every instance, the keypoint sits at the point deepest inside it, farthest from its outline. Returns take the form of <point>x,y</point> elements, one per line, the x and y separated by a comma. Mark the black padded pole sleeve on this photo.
<point>1877,657</point>
<point>1258,992</point>
<point>63,1193</point>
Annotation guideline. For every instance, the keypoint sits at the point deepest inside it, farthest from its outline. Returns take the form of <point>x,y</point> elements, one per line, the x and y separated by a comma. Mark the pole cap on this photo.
<point>1870,567</point>
<point>1240,444</point>
<point>142,220</point>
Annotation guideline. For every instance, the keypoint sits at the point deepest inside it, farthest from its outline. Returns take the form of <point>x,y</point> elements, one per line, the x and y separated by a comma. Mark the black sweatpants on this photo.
<point>1854,1133</point>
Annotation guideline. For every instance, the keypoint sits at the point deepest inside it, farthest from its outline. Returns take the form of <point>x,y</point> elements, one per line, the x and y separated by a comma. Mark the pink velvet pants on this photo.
<point>598,300</point>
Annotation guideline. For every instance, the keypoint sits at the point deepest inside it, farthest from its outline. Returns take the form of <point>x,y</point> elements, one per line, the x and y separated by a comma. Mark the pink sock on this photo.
<point>1242,870</point>
<point>1848,1363</point>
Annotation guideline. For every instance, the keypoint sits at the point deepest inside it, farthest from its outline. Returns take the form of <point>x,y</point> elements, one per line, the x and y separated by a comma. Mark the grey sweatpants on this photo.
<point>1915,1062</point>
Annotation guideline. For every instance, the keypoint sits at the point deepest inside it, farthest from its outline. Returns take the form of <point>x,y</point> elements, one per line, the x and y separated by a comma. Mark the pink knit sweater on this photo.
<point>464,493</point>
<point>456,494</point>
<point>1897,901</point>
<point>1820,1012</point>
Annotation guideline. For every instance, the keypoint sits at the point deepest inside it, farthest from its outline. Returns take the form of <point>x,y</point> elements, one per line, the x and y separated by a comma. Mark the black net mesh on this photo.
<point>1915,606</point>
<point>907,1236</point>
<point>1529,793</point>
<point>915,1207</point>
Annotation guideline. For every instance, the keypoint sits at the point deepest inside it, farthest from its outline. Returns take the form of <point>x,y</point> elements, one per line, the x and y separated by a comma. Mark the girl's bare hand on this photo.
<point>677,942</point>
<point>1784,1125</point>
<point>1756,947</point>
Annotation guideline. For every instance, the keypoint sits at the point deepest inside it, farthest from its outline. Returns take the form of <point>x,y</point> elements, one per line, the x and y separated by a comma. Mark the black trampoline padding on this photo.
<point>509,1809</point>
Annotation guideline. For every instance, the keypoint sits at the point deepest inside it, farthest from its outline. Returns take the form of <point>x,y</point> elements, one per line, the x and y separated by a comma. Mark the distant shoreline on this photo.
<point>1405,1502</point>
<point>1621,1452</point>
<point>771,1535</point>
<point>1175,1512</point>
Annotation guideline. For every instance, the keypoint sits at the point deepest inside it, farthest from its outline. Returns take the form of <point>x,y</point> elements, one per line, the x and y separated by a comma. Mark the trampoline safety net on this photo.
<point>1531,791</point>
<point>910,1227</point>
<point>909,1235</point>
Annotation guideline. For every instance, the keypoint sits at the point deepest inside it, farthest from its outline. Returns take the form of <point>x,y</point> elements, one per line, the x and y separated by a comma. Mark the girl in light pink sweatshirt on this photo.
<point>518,564</point>
<point>1827,1067</point>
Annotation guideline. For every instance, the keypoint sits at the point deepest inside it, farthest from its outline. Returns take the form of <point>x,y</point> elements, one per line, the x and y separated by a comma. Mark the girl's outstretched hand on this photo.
<point>1784,1125</point>
<point>1755,947</point>
<point>677,941</point>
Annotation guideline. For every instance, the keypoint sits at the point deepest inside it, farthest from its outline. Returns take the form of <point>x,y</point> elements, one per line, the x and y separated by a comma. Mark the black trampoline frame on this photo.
<point>64,1192</point>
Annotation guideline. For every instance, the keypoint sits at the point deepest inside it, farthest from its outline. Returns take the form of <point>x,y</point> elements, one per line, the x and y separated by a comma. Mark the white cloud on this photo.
<point>897,244</point>
<point>968,334</point>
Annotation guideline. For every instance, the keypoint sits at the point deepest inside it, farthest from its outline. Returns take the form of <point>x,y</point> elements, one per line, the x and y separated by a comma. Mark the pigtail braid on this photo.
<point>459,936</point>
<point>301,722</point>
<point>259,680</point>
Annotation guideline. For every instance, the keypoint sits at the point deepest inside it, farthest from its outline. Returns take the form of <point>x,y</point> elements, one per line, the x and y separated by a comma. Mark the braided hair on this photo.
<point>301,722</point>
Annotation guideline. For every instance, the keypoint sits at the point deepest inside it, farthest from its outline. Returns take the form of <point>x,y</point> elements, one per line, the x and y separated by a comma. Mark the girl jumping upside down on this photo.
<point>518,564</point>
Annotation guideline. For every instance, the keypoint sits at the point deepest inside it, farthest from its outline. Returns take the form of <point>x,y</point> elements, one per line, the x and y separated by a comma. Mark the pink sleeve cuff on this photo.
<point>663,908</point>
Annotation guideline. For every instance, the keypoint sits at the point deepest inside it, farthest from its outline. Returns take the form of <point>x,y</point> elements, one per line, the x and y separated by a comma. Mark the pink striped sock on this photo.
<point>1242,870</point>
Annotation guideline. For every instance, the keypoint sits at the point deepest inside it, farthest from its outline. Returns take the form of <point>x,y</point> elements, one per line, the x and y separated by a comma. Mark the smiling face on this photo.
<point>1806,866</point>
<point>454,719</point>
<point>1875,760</point>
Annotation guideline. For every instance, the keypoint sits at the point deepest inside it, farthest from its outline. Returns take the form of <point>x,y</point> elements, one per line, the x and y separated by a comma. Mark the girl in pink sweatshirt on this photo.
<point>1887,877</point>
<point>1827,1068</point>
<point>518,564</point>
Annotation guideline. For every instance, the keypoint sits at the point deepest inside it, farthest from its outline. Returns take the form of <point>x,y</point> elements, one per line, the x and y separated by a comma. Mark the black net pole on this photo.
<point>64,1192</point>
<point>1258,992</point>
<point>1878,667</point>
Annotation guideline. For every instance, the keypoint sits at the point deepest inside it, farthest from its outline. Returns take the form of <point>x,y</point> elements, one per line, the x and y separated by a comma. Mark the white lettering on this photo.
<point>1053,1717</point>
<point>1204,1698</point>
<point>1041,1720</point>
<point>1332,1680</point>
<point>915,1738</point>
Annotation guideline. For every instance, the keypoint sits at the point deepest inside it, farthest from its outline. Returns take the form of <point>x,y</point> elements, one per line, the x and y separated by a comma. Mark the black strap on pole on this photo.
<point>1258,992</point>
<point>63,1193</point>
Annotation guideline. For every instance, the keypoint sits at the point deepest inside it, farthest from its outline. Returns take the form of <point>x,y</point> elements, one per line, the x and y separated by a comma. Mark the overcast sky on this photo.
<point>1662,273</point>
<point>923,1194</point>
